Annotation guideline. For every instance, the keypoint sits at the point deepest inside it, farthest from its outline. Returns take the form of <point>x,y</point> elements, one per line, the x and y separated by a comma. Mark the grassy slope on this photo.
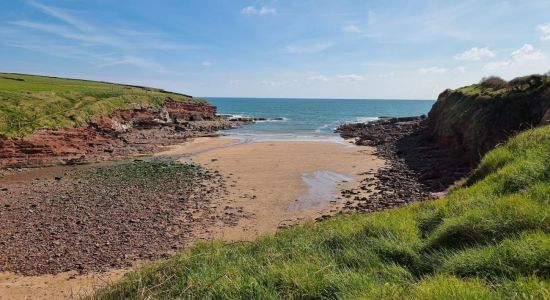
<point>487,240</point>
<point>29,102</point>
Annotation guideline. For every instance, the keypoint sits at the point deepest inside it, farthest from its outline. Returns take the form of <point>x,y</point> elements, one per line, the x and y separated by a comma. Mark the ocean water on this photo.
<point>310,119</point>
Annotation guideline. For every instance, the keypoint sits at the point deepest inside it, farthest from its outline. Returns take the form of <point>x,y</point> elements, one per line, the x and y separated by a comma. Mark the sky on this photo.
<point>278,48</point>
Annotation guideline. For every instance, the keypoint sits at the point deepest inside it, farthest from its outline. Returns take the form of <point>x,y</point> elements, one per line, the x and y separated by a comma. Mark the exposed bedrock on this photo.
<point>123,133</point>
<point>471,121</point>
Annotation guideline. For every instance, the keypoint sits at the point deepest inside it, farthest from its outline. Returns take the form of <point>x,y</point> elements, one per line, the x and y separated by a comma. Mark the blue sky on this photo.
<point>285,48</point>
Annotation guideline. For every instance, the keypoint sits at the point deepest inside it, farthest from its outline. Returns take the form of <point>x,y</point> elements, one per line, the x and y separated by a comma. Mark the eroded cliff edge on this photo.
<point>472,120</point>
<point>123,133</point>
<point>45,127</point>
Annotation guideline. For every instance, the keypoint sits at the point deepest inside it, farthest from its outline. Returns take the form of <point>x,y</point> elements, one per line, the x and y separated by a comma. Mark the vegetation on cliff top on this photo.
<point>473,119</point>
<point>489,239</point>
<point>29,102</point>
<point>496,86</point>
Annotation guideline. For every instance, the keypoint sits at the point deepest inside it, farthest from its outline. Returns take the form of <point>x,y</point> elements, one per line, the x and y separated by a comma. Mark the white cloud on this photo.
<point>475,54</point>
<point>249,10</point>
<point>206,64</point>
<point>351,29</point>
<point>308,49</point>
<point>432,70</point>
<point>544,32</point>
<point>268,10</point>
<point>351,77</point>
<point>527,52</point>
<point>318,78</point>
<point>264,10</point>
<point>521,56</point>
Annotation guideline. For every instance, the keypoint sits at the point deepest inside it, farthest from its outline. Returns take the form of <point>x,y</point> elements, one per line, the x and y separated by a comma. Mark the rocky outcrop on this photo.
<point>473,120</point>
<point>123,133</point>
<point>424,156</point>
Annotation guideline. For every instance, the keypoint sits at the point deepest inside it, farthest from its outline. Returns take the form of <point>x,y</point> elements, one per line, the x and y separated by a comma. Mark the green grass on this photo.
<point>30,102</point>
<point>478,89</point>
<point>489,239</point>
<point>146,174</point>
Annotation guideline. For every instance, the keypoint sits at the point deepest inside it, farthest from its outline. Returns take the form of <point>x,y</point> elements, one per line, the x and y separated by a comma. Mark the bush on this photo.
<point>493,82</point>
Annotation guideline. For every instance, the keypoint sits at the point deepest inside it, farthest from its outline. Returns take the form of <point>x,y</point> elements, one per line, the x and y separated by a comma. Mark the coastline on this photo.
<point>269,185</point>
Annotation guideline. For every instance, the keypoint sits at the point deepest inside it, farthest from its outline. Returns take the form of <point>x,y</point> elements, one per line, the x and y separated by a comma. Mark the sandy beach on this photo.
<point>272,183</point>
<point>279,182</point>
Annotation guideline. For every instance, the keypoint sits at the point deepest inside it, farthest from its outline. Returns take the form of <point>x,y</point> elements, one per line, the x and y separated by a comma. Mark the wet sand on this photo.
<point>279,182</point>
<point>275,183</point>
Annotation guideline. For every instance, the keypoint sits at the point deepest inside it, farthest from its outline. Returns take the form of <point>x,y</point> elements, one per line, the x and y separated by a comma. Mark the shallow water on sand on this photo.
<point>322,189</point>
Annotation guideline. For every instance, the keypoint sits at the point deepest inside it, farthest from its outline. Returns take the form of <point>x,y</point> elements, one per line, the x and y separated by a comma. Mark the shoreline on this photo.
<point>269,185</point>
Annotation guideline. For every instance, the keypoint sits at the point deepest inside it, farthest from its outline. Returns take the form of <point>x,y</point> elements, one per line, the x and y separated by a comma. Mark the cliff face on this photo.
<point>473,120</point>
<point>123,133</point>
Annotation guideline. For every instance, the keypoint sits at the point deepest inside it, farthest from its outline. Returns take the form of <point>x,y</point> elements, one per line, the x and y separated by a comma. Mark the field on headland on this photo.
<point>29,102</point>
<point>489,239</point>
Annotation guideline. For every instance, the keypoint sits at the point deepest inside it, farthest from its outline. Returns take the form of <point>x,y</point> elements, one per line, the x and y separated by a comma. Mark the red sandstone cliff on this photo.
<point>123,133</point>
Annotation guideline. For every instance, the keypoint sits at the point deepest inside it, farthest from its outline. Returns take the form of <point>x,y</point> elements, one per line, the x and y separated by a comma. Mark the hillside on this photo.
<point>471,120</point>
<point>45,120</point>
<point>29,102</point>
<point>487,240</point>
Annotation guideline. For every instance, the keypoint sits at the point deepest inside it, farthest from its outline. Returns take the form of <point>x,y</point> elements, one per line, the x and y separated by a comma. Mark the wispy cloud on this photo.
<point>307,49</point>
<point>351,29</point>
<point>264,10</point>
<point>475,54</point>
<point>318,78</point>
<point>518,57</point>
<point>432,70</point>
<point>61,15</point>
<point>351,77</point>
<point>544,30</point>
<point>206,64</point>
<point>137,62</point>
<point>94,43</point>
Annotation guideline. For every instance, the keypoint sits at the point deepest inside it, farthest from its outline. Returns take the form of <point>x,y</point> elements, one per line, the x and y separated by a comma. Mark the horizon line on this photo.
<point>313,98</point>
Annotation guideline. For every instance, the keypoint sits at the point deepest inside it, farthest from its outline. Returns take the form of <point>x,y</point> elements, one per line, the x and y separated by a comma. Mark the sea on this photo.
<point>309,119</point>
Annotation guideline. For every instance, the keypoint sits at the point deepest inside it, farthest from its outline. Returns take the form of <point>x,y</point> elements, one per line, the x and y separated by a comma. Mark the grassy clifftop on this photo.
<point>473,119</point>
<point>487,240</point>
<point>29,102</point>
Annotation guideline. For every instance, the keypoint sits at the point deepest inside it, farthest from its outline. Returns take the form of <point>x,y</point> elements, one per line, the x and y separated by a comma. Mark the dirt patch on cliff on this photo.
<point>89,218</point>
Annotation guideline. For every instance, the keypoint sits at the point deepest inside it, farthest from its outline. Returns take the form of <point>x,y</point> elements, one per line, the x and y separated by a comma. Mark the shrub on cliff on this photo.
<point>488,240</point>
<point>493,82</point>
<point>528,82</point>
